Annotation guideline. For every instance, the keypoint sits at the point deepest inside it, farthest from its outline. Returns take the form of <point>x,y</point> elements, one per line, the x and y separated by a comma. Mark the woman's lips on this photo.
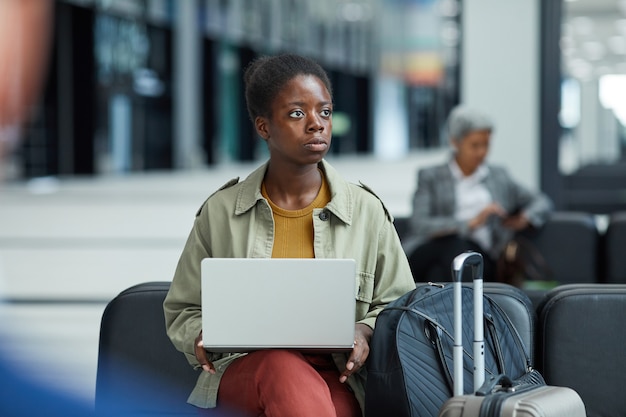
<point>316,145</point>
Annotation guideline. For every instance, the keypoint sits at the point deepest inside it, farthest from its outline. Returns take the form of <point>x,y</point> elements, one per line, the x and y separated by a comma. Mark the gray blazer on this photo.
<point>434,203</point>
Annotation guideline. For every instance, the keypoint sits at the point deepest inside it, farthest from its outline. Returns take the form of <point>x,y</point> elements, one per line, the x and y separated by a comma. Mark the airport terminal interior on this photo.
<point>139,117</point>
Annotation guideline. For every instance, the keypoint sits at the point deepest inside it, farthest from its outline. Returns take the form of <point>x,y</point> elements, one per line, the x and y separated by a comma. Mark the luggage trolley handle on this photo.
<point>475,260</point>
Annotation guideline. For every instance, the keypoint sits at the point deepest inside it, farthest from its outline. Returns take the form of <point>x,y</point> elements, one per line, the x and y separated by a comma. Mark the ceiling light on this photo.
<point>566,42</point>
<point>450,33</point>
<point>353,12</point>
<point>582,25</point>
<point>617,44</point>
<point>594,50</point>
<point>449,8</point>
<point>579,68</point>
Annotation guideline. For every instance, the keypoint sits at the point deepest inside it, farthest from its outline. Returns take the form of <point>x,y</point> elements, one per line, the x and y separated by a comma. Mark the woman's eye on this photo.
<point>327,112</point>
<point>296,113</point>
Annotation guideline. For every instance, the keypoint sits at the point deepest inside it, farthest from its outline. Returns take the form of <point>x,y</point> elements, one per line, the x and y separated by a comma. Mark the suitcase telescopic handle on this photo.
<point>475,261</point>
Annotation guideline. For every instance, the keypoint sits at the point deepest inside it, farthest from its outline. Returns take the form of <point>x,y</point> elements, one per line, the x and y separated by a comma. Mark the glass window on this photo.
<point>592,147</point>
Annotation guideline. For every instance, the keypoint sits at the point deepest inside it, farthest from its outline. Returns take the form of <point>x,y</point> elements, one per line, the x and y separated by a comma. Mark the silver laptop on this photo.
<point>251,303</point>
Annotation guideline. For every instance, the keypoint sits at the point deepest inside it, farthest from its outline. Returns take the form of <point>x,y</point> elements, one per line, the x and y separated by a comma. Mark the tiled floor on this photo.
<point>69,246</point>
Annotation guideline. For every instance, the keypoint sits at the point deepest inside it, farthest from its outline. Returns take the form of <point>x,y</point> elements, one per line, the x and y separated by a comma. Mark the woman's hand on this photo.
<point>517,222</point>
<point>201,355</point>
<point>360,351</point>
<point>493,209</point>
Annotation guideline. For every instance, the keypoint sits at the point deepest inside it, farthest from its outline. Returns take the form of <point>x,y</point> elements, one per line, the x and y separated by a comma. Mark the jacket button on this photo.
<point>323,216</point>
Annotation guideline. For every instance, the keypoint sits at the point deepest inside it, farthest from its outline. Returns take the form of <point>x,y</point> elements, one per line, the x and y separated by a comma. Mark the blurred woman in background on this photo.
<point>468,204</point>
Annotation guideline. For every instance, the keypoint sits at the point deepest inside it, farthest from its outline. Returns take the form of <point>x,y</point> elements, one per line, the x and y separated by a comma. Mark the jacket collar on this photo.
<point>341,199</point>
<point>479,175</point>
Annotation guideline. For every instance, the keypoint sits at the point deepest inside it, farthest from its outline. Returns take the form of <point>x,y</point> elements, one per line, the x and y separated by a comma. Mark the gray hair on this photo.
<point>464,120</point>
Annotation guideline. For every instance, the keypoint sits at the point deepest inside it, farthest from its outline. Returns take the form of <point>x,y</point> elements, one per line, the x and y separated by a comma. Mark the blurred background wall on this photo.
<point>154,85</point>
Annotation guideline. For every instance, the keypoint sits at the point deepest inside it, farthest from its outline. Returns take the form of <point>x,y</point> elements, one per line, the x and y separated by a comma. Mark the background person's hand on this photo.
<point>201,355</point>
<point>360,351</point>
<point>517,222</point>
<point>493,209</point>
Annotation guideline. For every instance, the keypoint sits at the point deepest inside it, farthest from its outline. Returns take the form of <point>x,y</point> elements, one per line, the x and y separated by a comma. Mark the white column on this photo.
<point>500,75</point>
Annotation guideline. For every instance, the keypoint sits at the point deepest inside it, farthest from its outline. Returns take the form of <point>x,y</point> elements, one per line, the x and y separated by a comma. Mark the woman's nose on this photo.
<point>315,123</point>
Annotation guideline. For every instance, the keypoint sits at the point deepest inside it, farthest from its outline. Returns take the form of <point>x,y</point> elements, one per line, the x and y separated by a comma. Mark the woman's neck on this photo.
<point>466,170</point>
<point>292,190</point>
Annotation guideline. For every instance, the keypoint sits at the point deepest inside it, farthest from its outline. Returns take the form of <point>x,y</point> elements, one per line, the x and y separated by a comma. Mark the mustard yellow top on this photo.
<point>293,229</point>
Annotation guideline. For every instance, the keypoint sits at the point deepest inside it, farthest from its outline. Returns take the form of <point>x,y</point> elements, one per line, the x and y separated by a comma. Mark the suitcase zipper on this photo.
<point>491,327</point>
<point>516,337</point>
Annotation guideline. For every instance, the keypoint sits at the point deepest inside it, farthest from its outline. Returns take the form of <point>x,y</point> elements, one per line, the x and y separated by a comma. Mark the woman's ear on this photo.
<point>260,123</point>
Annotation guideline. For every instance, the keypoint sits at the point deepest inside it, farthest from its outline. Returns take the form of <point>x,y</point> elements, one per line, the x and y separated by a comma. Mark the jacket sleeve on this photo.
<point>182,305</point>
<point>393,276</point>
<point>433,213</point>
<point>536,206</point>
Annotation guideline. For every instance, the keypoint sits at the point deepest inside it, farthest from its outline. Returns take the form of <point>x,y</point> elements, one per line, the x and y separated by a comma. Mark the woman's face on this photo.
<point>472,150</point>
<point>300,126</point>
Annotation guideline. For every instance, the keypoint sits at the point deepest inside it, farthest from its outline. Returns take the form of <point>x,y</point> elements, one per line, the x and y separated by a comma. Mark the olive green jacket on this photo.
<point>236,222</point>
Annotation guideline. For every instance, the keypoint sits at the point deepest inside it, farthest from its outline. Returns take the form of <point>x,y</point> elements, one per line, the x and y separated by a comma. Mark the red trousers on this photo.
<point>274,383</point>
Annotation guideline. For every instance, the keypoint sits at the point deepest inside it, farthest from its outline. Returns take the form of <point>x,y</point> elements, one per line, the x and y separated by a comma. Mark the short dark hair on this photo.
<point>266,76</point>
